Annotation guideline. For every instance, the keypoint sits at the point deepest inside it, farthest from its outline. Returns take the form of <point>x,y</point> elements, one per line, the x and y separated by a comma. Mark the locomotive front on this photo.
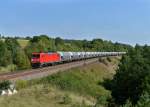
<point>35,60</point>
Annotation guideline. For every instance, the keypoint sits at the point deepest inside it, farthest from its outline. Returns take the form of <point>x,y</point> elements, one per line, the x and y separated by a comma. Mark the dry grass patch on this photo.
<point>44,96</point>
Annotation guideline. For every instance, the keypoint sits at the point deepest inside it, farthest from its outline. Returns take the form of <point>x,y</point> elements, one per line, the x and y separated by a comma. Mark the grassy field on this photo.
<point>23,43</point>
<point>78,87</point>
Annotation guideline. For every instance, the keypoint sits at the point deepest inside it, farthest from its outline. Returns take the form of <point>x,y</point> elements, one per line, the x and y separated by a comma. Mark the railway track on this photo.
<point>45,71</point>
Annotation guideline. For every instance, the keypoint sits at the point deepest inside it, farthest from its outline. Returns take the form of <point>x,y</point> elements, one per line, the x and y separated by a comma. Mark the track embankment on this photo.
<point>45,71</point>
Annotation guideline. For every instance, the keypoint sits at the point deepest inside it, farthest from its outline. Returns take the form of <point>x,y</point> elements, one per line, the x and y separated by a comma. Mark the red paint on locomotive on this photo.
<point>45,58</point>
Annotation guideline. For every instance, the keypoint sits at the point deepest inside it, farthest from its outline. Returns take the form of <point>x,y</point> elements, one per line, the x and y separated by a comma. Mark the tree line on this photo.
<point>11,53</point>
<point>44,43</point>
<point>130,86</point>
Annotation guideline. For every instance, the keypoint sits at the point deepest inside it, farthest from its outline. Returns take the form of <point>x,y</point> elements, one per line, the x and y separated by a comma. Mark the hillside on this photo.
<point>78,87</point>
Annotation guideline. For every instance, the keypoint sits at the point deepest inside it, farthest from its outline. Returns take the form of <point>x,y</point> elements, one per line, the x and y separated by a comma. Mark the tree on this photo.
<point>129,79</point>
<point>59,41</point>
<point>12,46</point>
<point>144,100</point>
<point>40,44</point>
<point>5,55</point>
<point>18,55</point>
<point>22,60</point>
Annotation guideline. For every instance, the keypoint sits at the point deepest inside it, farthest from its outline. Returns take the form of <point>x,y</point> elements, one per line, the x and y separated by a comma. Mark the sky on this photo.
<point>125,21</point>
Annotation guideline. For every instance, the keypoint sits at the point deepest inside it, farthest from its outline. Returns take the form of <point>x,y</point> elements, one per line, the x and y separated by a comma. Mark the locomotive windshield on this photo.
<point>35,56</point>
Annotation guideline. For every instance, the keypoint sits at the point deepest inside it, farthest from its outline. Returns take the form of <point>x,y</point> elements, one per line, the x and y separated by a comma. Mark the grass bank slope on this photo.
<point>77,87</point>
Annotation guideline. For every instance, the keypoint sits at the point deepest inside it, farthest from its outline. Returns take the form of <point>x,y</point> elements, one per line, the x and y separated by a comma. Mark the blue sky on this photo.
<point>126,21</point>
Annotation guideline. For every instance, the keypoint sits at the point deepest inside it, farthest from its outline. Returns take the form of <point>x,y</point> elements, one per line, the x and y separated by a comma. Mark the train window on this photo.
<point>62,57</point>
<point>35,56</point>
<point>49,53</point>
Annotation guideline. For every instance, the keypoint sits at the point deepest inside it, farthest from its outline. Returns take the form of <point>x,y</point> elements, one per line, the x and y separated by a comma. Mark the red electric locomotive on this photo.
<point>41,59</point>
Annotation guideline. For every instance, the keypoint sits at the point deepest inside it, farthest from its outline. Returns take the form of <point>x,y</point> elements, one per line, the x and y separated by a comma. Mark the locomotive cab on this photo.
<point>35,60</point>
<point>44,59</point>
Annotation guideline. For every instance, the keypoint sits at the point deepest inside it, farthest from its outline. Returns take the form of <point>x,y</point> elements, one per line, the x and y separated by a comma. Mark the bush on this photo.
<point>12,67</point>
<point>128,104</point>
<point>8,68</point>
<point>66,99</point>
<point>76,81</point>
<point>20,84</point>
<point>4,85</point>
<point>103,60</point>
<point>5,54</point>
<point>101,101</point>
<point>22,60</point>
<point>71,82</point>
<point>144,100</point>
<point>109,59</point>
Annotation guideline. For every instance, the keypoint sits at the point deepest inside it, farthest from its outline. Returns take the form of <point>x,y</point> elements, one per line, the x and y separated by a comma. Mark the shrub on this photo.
<point>101,101</point>
<point>109,59</point>
<point>128,104</point>
<point>72,82</point>
<point>144,100</point>
<point>12,67</point>
<point>20,84</point>
<point>66,99</point>
<point>5,54</point>
<point>4,85</point>
<point>103,60</point>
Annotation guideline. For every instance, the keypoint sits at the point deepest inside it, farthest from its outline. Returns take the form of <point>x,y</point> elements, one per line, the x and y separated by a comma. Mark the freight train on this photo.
<point>49,58</point>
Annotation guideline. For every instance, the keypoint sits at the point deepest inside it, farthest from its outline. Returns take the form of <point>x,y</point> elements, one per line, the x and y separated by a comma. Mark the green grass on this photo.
<point>23,43</point>
<point>2,39</point>
<point>78,87</point>
<point>82,80</point>
<point>9,68</point>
